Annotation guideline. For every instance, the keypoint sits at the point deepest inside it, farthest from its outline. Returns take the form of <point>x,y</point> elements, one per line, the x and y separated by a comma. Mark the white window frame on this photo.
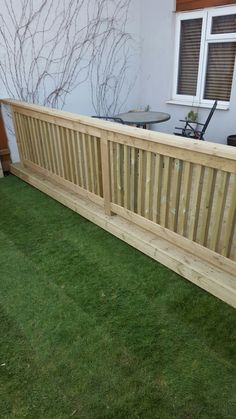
<point>206,38</point>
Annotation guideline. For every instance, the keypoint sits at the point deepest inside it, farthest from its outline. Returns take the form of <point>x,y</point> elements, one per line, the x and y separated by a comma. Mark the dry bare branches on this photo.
<point>49,47</point>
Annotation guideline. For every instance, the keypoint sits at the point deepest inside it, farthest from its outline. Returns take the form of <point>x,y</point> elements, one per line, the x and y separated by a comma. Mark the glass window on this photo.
<point>190,42</point>
<point>206,55</point>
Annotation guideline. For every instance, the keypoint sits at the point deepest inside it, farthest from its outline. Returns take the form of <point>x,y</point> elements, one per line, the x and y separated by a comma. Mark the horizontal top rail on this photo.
<point>210,154</point>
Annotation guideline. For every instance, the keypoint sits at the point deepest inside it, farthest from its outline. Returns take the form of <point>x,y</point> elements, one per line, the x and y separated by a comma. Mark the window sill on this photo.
<point>197,105</point>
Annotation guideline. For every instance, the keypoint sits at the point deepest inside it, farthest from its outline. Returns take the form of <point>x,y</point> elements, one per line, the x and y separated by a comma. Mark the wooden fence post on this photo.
<point>106,178</point>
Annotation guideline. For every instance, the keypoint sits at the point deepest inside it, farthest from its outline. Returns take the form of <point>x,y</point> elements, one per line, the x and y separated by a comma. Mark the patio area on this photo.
<point>92,328</point>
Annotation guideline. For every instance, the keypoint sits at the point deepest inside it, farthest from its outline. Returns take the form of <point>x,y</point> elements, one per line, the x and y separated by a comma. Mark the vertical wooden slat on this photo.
<point>219,204</point>
<point>206,198</point>
<point>86,161</point>
<point>141,191</point>
<point>73,155</point>
<point>194,203</point>
<point>64,152</point>
<point>165,192</point>
<point>68,154</point>
<point>184,198</point>
<point>54,148</point>
<point>38,138</point>
<point>132,179</point>
<point>147,206</point>
<point>106,178</point>
<point>51,147</point>
<point>175,194</point>
<point>57,135</point>
<point>91,162</point>
<point>230,222</point>
<point>81,162</point>
<point>157,188</point>
<point>20,134</point>
<point>46,146</point>
<point>36,142</point>
<point>232,240</point>
<point>42,141</point>
<point>126,176</point>
<point>210,209</point>
<point>74,145</point>
<point>25,133</point>
<point>33,141</point>
<point>97,167</point>
<point>118,174</point>
<point>112,171</point>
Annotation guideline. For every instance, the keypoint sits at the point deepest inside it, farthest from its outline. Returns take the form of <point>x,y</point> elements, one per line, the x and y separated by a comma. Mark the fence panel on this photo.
<point>189,199</point>
<point>182,189</point>
<point>72,155</point>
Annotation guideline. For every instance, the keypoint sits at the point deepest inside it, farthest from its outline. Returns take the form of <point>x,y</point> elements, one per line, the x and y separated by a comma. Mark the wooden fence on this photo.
<point>180,189</point>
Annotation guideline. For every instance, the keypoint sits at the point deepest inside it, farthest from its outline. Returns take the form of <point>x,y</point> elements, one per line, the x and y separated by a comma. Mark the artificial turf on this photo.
<point>92,328</point>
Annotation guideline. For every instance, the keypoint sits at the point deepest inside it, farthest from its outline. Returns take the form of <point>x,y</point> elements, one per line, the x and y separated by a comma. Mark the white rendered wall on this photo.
<point>152,24</point>
<point>79,101</point>
<point>158,38</point>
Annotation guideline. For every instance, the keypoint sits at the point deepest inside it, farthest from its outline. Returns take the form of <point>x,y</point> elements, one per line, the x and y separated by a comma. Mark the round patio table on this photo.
<point>143,118</point>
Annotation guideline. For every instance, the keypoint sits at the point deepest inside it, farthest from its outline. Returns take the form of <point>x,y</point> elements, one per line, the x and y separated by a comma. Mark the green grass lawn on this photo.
<point>92,328</point>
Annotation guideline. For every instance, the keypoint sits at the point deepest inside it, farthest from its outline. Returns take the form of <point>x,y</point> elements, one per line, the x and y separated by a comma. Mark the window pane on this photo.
<point>224,24</point>
<point>220,69</point>
<point>190,42</point>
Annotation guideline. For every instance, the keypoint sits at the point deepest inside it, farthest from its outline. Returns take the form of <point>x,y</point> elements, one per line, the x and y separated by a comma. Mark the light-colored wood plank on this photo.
<point>132,178</point>
<point>25,134</point>
<point>106,174</point>
<point>38,142</point>
<point>97,157</point>
<point>54,147</point>
<point>176,175</point>
<point>185,189</point>
<point>140,190</point>
<point>158,168</point>
<point>205,205</point>
<point>165,191</point>
<point>112,170</point>
<point>86,161</point>
<point>148,179</point>
<point>196,190</point>
<point>221,189</point>
<point>34,141</point>
<point>75,153</point>
<point>21,135</point>
<point>118,173</point>
<point>230,222</point>
<point>81,160</point>
<point>126,176</point>
<point>90,162</point>
<point>58,140</point>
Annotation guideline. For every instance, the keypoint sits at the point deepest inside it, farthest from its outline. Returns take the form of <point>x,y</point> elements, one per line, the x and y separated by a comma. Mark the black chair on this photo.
<point>189,131</point>
<point>110,118</point>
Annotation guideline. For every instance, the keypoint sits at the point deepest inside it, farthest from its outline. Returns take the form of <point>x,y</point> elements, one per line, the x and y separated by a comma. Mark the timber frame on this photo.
<point>173,199</point>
